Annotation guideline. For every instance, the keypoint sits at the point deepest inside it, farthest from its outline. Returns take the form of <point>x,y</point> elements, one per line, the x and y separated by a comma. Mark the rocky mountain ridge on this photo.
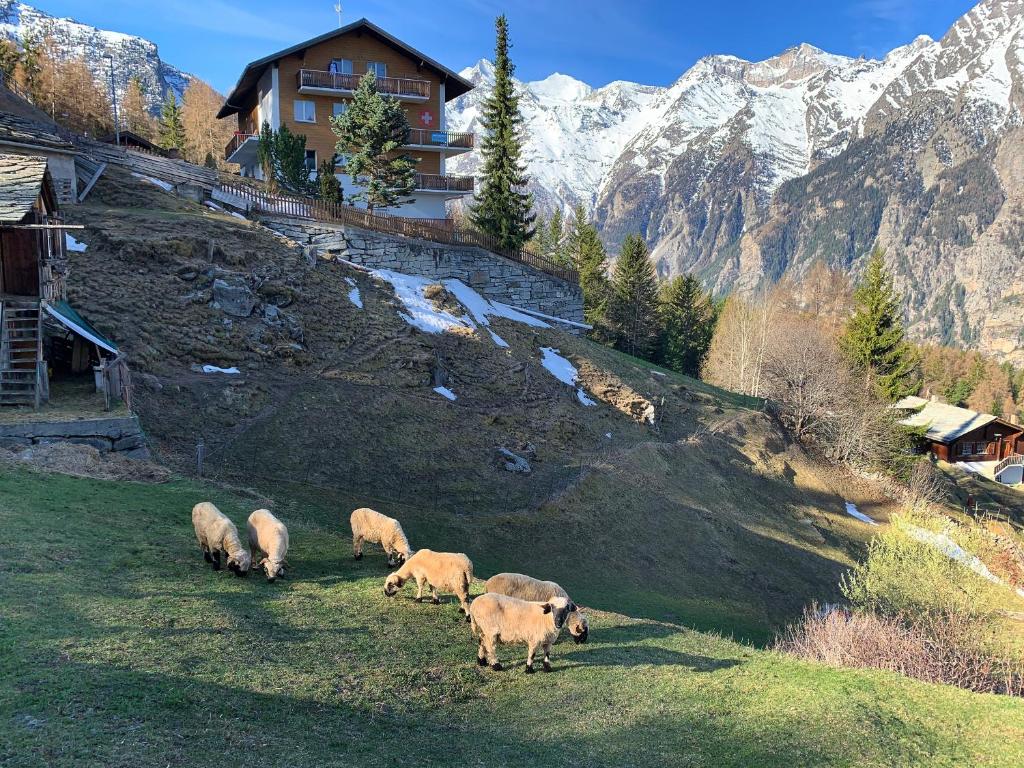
<point>132,56</point>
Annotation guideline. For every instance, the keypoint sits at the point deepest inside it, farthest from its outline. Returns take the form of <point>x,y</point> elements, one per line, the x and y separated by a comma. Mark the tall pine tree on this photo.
<point>688,323</point>
<point>370,132</point>
<point>171,130</point>
<point>584,251</point>
<point>633,304</point>
<point>502,209</point>
<point>874,339</point>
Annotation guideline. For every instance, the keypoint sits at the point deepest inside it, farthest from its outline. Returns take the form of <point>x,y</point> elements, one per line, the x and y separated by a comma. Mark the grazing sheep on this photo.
<point>268,535</point>
<point>371,526</point>
<point>450,572</point>
<point>528,588</point>
<point>217,534</point>
<point>502,619</point>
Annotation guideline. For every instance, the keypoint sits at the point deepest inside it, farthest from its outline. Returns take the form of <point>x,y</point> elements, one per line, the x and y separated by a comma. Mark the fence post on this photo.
<point>200,456</point>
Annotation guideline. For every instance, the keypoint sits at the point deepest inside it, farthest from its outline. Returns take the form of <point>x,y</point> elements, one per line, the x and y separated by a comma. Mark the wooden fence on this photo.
<point>436,230</point>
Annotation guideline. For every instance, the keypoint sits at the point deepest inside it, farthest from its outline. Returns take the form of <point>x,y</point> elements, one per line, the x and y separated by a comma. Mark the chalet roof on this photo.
<point>21,180</point>
<point>15,129</point>
<point>944,423</point>
<point>456,85</point>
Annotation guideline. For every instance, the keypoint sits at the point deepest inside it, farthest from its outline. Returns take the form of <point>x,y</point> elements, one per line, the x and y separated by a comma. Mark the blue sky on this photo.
<point>596,41</point>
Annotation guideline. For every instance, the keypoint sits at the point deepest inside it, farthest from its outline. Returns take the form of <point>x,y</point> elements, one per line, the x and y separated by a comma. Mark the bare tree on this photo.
<point>740,346</point>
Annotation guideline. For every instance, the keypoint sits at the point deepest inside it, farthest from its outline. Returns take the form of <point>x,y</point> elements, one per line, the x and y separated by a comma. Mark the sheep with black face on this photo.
<point>449,572</point>
<point>218,535</point>
<point>528,588</point>
<point>370,526</point>
<point>499,619</point>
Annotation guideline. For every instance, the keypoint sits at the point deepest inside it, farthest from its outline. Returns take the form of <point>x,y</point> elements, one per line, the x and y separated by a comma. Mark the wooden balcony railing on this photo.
<point>435,230</point>
<point>454,139</point>
<point>393,86</point>
<point>436,182</point>
<point>236,141</point>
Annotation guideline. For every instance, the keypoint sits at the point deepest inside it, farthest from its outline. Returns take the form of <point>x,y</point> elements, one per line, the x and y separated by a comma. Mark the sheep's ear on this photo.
<point>547,607</point>
<point>573,607</point>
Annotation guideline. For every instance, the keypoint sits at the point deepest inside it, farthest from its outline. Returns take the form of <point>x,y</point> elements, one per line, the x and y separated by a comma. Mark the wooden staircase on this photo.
<point>21,336</point>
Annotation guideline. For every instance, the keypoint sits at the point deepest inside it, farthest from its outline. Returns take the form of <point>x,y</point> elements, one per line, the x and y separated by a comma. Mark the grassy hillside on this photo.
<point>709,516</point>
<point>118,646</point>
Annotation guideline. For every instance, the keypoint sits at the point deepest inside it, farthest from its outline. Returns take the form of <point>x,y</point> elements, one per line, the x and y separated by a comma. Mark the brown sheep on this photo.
<point>371,526</point>
<point>268,535</point>
<point>500,619</point>
<point>528,588</point>
<point>450,572</point>
<point>217,534</point>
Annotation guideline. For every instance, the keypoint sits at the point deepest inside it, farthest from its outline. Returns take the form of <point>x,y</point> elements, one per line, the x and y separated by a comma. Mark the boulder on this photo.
<point>234,297</point>
<point>513,462</point>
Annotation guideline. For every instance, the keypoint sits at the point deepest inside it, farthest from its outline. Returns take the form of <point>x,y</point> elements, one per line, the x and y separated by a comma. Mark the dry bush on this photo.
<point>951,648</point>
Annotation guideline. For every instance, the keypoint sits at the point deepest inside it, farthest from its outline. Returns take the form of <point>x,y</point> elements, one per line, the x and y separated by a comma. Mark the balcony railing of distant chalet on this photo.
<point>335,81</point>
<point>236,141</point>
<point>435,230</point>
<point>424,137</point>
<point>435,182</point>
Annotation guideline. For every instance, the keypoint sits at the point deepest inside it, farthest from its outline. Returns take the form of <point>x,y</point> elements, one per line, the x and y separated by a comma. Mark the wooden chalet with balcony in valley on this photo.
<point>38,329</point>
<point>956,434</point>
<point>305,85</point>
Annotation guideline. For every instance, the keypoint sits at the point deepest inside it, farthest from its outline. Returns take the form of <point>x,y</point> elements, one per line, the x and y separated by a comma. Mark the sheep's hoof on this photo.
<point>547,667</point>
<point>358,556</point>
<point>207,557</point>
<point>435,600</point>
<point>468,619</point>
<point>216,565</point>
<point>496,666</point>
<point>481,662</point>
<point>529,669</point>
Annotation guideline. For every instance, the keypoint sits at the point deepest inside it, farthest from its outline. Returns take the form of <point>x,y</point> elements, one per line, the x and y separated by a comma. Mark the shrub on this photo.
<point>951,648</point>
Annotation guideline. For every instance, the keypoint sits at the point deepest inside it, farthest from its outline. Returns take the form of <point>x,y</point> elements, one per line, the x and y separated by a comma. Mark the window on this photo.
<point>341,160</point>
<point>340,108</point>
<point>340,66</point>
<point>305,111</point>
<point>311,160</point>
<point>379,68</point>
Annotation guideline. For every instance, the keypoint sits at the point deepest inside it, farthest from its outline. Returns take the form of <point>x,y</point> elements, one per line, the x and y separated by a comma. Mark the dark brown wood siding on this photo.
<point>19,262</point>
<point>992,442</point>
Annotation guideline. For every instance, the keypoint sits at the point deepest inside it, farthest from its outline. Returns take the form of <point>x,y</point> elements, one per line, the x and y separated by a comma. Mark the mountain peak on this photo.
<point>559,87</point>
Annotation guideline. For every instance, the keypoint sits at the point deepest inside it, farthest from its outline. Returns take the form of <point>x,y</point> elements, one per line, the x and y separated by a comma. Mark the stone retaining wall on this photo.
<point>118,434</point>
<point>492,275</point>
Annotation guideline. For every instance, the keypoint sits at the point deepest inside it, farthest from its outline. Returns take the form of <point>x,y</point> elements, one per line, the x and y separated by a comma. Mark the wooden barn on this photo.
<point>39,331</point>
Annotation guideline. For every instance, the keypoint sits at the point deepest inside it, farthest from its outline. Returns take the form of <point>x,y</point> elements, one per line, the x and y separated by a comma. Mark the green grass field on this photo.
<point>118,646</point>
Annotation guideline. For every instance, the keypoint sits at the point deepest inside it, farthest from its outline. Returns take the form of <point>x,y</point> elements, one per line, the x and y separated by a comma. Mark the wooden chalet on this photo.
<point>304,86</point>
<point>38,329</point>
<point>956,434</point>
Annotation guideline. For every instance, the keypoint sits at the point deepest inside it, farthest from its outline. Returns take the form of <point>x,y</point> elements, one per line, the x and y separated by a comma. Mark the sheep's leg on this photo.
<point>419,588</point>
<point>464,604</point>
<point>434,597</point>
<point>492,656</point>
<point>206,553</point>
<point>531,651</point>
<point>216,559</point>
<point>391,556</point>
<point>357,546</point>
<point>481,653</point>
<point>547,657</point>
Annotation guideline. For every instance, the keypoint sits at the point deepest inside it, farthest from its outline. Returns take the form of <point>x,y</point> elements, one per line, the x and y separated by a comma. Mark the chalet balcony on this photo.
<point>435,182</point>
<point>450,142</point>
<point>316,81</point>
<point>242,148</point>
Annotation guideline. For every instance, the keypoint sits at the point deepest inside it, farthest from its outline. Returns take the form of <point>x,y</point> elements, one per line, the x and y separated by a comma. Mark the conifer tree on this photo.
<point>555,238</point>
<point>584,251</point>
<point>503,209</point>
<point>172,131</point>
<point>289,158</point>
<point>633,303</point>
<point>10,57</point>
<point>327,182</point>
<point>874,339</point>
<point>370,132</point>
<point>688,323</point>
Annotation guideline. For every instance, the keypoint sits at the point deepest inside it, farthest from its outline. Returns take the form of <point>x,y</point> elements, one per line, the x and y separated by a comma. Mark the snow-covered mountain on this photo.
<point>132,56</point>
<point>743,171</point>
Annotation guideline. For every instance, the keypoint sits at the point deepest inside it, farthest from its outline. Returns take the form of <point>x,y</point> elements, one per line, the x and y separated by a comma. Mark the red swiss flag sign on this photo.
<point>426,118</point>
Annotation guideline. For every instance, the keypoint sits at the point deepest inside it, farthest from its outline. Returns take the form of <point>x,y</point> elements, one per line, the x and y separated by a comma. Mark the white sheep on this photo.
<point>267,536</point>
<point>449,572</point>
<point>371,526</point>
<point>217,534</point>
<point>528,588</point>
<point>499,619</point>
